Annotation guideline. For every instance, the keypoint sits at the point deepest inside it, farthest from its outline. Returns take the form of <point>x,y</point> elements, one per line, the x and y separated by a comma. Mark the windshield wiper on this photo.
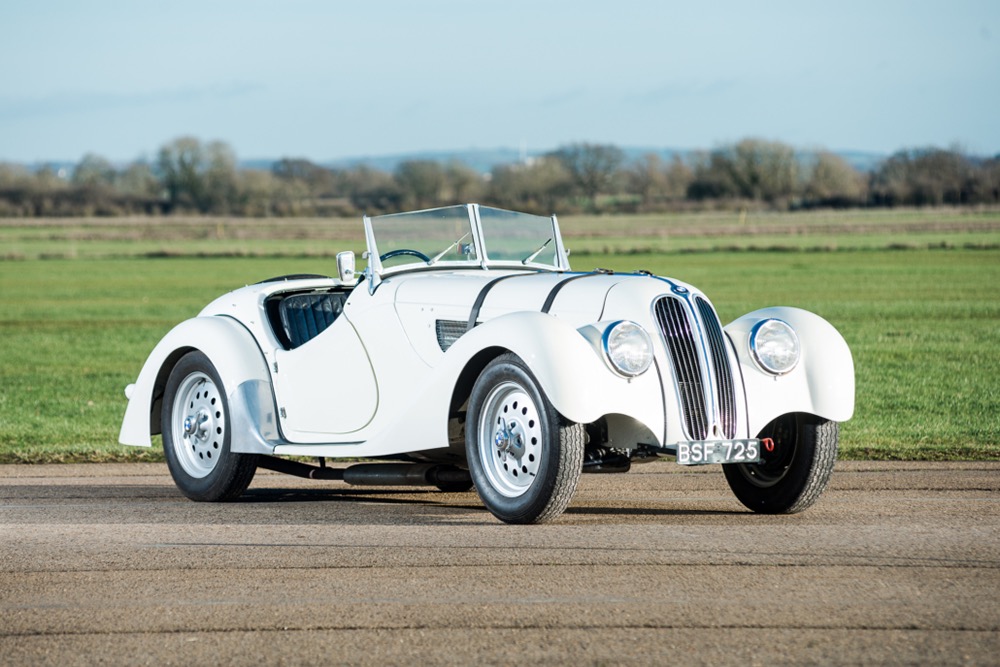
<point>444,252</point>
<point>537,252</point>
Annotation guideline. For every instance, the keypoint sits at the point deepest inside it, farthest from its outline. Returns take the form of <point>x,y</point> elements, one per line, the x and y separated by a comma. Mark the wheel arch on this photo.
<point>567,364</point>
<point>467,377</point>
<point>160,387</point>
<point>822,384</point>
<point>230,347</point>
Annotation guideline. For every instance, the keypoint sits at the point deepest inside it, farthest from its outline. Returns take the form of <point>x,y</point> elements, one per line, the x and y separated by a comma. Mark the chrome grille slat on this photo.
<point>699,357</point>
<point>675,325</point>
<point>725,391</point>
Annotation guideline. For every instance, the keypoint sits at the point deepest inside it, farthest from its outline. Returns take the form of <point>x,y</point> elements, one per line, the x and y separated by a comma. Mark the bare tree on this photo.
<point>94,171</point>
<point>593,167</point>
<point>543,187</point>
<point>833,182</point>
<point>752,169</point>
<point>463,184</point>
<point>421,182</point>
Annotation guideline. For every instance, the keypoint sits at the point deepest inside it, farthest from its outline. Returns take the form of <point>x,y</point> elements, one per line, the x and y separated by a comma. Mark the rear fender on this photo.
<point>235,355</point>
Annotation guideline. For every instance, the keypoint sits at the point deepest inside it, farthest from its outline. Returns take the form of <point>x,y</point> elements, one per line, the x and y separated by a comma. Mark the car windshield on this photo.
<point>450,234</point>
<point>518,237</point>
<point>431,236</point>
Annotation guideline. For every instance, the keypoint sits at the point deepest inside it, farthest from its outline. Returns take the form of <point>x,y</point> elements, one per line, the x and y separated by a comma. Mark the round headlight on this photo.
<point>628,348</point>
<point>775,346</point>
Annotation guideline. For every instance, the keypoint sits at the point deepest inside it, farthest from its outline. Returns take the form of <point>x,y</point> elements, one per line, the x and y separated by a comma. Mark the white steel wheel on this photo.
<point>524,457</point>
<point>510,433</point>
<point>196,433</point>
<point>198,424</point>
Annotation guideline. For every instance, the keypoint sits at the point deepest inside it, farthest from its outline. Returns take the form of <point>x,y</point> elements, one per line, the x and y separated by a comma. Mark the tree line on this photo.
<point>192,177</point>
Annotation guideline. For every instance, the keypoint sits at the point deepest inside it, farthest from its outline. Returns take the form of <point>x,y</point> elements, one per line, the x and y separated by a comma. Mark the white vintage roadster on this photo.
<point>470,355</point>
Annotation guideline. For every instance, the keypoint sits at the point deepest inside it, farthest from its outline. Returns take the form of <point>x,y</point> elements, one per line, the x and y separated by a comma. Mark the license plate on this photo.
<point>718,451</point>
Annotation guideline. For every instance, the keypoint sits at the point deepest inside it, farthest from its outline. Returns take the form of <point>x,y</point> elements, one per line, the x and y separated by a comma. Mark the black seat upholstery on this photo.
<point>305,316</point>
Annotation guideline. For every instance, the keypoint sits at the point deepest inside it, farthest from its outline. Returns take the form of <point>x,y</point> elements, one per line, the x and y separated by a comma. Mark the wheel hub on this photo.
<point>509,439</point>
<point>196,425</point>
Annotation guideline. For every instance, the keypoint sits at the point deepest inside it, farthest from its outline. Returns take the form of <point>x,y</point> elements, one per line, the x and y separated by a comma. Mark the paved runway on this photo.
<point>897,563</point>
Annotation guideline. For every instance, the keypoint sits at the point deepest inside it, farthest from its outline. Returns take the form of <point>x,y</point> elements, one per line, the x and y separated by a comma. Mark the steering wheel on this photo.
<point>403,251</point>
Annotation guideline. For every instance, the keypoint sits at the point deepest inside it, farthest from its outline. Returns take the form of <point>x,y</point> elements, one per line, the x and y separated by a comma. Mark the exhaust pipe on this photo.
<point>373,474</point>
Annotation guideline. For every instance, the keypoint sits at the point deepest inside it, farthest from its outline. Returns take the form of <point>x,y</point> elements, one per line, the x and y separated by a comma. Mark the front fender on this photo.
<point>821,384</point>
<point>226,342</point>
<point>570,367</point>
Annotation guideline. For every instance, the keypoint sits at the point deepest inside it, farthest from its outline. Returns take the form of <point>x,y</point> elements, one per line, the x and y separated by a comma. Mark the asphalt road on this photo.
<point>897,563</point>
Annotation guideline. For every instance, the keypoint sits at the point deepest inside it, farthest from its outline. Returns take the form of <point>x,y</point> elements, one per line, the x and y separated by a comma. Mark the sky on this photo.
<point>327,80</point>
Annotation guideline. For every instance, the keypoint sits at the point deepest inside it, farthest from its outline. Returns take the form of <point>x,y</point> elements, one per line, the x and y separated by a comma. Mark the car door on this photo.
<point>326,387</point>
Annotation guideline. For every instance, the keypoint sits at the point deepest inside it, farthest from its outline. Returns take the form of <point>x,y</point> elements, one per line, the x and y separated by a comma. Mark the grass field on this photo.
<point>916,294</point>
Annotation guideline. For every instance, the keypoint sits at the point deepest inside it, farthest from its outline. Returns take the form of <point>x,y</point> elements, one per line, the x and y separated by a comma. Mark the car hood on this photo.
<point>582,298</point>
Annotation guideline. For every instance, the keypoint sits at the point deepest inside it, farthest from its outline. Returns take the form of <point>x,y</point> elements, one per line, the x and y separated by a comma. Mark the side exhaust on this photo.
<point>373,474</point>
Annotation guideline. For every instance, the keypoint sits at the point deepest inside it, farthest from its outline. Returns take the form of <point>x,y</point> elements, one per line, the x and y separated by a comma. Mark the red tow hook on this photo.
<point>768,445</point>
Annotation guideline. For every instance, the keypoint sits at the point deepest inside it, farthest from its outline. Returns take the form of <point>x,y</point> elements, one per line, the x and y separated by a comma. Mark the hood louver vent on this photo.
<point>448,331</point>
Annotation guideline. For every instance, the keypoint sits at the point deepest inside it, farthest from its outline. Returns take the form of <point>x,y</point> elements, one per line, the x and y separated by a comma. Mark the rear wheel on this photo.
<point>196,434</point>
<point>525,459</point>
<point>792,477</point>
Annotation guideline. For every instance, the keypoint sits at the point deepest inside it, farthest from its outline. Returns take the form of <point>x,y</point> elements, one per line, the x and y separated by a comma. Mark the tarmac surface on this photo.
<point>898,563</point>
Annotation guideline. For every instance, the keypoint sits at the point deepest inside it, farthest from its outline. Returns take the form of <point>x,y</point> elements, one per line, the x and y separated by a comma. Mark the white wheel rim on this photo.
<point>199,425</point>
<point>510,439</point>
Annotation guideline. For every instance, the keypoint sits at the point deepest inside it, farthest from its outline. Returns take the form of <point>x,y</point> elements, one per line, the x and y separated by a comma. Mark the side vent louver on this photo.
<point>448,331</point>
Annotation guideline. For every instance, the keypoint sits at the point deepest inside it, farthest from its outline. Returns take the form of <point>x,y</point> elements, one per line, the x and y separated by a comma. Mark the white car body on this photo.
<point>382,380</point>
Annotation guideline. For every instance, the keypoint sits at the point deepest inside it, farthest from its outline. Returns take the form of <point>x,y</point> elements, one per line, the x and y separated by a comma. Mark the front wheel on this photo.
<point>524,458</point>
<point>792,477</point>
<point>197,434</point>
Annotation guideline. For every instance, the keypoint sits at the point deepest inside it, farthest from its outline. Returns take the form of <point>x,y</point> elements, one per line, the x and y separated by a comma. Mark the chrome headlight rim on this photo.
<point>759,356</point>
<point>612,345</point>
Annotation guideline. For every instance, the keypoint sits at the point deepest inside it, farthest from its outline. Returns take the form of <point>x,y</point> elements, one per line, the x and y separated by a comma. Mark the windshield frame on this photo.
<point>376,271</point>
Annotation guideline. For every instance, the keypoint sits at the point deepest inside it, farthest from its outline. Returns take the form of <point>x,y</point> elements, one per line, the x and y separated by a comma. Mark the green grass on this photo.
<point>923,324</point>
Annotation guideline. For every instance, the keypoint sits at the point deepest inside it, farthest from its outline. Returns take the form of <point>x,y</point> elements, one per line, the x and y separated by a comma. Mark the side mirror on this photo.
<point>345,266</point>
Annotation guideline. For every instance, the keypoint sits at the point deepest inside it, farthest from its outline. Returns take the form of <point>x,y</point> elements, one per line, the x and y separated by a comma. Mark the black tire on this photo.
<point>197,434</point>
<point>792,477</point>
<point>525,466</point>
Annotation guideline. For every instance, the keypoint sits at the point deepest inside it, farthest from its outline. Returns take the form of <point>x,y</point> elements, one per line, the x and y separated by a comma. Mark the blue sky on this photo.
<point>327,80</point>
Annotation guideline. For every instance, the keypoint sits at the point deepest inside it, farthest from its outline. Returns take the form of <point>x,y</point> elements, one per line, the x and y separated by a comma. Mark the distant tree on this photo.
<point>542,187</point>
<point>180,166</point>
<point>221,193</point>
<point>138,180</point>
<point>462,183</point>
<point>987,183</point>
<point>712,177</point>
<point>199,177</point>
<point>420,182</point>
<point>592,166</point>
<point>319,181</point>
<point>647,178</point>
<point>833,182</point>
<point>679,177</point>
<point>763,170</point>
<point>372,190</point>
<point>94,171</point>
<point>928,177</point>
<point>752,169</point>
<point>17,189</point>
<point>258,193</point>
<point>656,183</point>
